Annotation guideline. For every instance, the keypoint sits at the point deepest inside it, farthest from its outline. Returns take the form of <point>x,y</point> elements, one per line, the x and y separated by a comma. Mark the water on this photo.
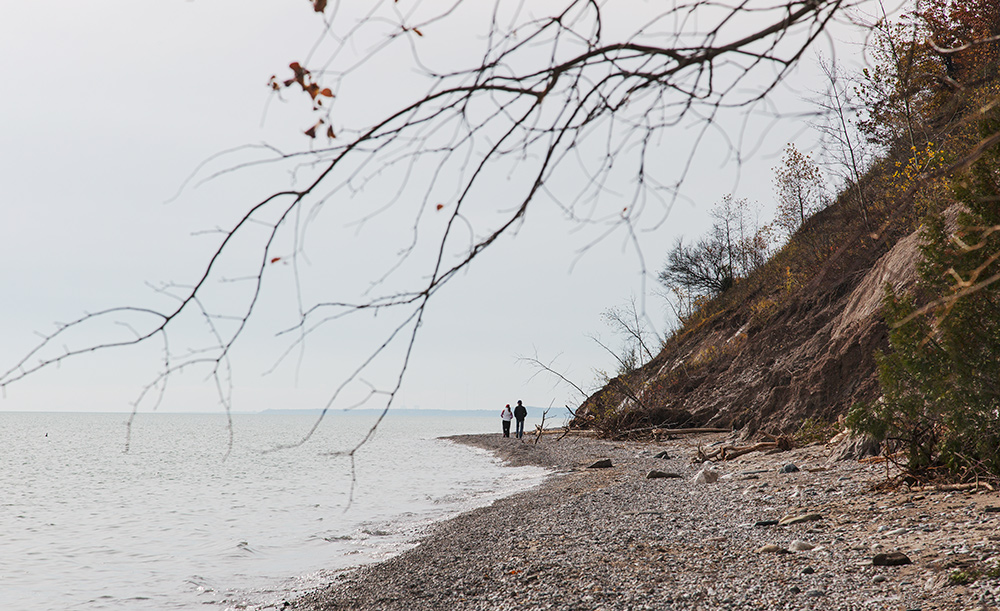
<point>172,523</point>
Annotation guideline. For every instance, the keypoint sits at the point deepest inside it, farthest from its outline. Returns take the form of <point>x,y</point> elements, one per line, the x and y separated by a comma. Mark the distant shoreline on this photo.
<point>461,413</point>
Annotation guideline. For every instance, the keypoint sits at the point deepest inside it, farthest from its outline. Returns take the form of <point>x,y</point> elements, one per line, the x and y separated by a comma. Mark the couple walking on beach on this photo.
<point>520,413</point>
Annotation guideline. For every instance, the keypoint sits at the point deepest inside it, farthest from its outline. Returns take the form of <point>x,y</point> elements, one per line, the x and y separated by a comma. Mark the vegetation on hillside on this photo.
<point>917,136</point>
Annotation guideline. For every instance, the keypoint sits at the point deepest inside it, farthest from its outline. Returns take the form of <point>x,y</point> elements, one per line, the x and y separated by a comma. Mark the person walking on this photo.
<point>505,417</point>
<point>520,413</point>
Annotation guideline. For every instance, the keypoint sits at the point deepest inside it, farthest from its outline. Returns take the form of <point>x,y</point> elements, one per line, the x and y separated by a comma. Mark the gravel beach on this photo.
<point>815,537</point>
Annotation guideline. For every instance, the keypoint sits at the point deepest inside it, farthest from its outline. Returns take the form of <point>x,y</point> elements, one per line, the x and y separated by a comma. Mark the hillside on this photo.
<point>768,359</point>
<point>793,342</point>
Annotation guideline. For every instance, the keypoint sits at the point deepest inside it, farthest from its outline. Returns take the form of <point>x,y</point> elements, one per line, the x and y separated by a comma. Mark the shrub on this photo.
<point>941,380</point>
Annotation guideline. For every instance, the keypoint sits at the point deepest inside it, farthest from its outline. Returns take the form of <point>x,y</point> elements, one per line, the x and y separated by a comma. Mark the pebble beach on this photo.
<point>657,530</point>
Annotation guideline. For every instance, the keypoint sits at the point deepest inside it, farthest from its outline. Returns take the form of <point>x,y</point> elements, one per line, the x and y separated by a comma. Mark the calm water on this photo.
<point>170,524</point>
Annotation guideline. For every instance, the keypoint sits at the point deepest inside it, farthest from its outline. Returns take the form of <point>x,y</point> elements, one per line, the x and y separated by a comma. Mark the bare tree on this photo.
<point>843,146</point>
<point>562,108</point>
<point>631,324</point>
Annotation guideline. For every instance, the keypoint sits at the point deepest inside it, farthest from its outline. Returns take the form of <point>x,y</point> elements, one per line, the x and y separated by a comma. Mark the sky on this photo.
<point>109,108</point>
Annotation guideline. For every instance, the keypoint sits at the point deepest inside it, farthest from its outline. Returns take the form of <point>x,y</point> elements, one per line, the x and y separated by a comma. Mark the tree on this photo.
<point>736,245</point>
<point>844,149</point>
<point>800,190</point>
<point>576,92</point>
<point>640,343</point>
<point>941,395</point>
<point>941,380</point>
<point>701,268</point>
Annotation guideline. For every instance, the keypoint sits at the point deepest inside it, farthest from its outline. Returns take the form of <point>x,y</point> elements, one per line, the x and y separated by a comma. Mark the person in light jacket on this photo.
<point>506,416</point>
<point>520,413</point>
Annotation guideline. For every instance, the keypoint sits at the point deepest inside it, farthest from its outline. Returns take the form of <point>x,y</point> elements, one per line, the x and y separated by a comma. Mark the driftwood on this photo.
<point>541,427</point>
<point>689,431</point>
<point>952,487</point>
<point>780,444</point>
<point>564,431</point>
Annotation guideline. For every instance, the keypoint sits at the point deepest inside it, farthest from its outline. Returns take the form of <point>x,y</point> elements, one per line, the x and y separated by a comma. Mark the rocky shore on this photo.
<point>789,530</point>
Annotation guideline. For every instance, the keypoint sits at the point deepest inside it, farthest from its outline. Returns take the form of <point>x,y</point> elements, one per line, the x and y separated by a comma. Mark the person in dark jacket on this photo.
<point>520,413</point>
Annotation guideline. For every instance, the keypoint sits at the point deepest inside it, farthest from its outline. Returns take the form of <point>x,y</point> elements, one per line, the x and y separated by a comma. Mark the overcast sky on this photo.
<point>109,106</point>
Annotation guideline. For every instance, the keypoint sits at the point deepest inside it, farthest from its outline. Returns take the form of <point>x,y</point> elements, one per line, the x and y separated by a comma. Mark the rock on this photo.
<point>891,559</point>
<point>654,474</point>
<point>662,455</point>
<point>878,579</point>
<point>815,593</point>
<point>808,570</point>
<point>772,549</point>
<point>991,509</point>
<point>806,517</point>
<point>794,590</point>
<point>601,464</point>
<point>855,446</point>
<point>766,523</point>
<point>789,468</point>
<point>708,475</point>
<point>799,545</point>
<point>897,531</point>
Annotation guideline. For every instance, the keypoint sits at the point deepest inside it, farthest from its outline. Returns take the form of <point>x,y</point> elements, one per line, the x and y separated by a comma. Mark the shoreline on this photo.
<point>613,539</point>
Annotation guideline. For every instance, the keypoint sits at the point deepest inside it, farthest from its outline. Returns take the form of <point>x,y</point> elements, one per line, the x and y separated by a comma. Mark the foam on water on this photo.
<point>170,524</point>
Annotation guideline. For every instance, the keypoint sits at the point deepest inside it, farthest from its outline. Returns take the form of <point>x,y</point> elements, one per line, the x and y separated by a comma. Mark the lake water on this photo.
<point>173,523</point>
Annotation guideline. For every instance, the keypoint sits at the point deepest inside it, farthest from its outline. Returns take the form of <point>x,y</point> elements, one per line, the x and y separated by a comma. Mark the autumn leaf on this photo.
<point>439,206</point>
<point>319,5</point>
<point>311,132</point>
<point>418,32</point>
<point>326,92</point>
<point>329,132</point>
<point>275,259</point>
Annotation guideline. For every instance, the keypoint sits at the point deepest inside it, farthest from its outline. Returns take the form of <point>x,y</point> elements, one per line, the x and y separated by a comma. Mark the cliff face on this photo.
<point>812,356</point>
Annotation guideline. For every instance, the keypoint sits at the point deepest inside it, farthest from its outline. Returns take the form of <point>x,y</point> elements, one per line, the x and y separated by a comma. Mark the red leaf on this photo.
<point>439,206</point>
<point>275,259</point>
<point>329,132</point>
<point>326,91</point>
<point>319,5</point>
<point>419,33</point>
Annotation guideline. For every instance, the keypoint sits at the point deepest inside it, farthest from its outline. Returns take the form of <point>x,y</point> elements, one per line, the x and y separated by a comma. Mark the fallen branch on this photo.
<point>731,452</point>
<point>953,487</point>
<point>685,431</point>
<point>540,427</point>
<point>567,431</point>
